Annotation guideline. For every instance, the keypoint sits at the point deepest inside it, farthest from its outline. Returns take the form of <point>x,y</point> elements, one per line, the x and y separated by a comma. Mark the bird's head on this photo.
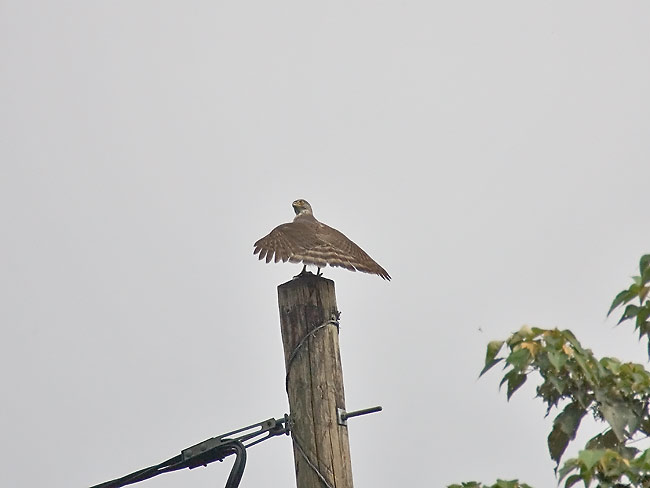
<point>301,206</point>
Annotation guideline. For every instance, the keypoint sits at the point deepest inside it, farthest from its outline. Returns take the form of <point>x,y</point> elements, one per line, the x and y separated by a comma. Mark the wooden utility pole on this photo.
<point>309,323</point>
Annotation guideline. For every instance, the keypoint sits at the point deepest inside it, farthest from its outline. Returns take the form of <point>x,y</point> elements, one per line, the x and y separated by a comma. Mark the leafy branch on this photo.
<point>613,392</point>
<point>498,484</point>
<point>638,290</point>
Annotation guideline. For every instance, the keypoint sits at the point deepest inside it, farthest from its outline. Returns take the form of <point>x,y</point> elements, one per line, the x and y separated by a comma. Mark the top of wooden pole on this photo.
<point>305,302</point>
<point>307,278</point>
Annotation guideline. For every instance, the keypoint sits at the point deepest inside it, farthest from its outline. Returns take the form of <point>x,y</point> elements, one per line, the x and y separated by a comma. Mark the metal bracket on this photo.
<point>213,449</point>
<point>342,416</point>
<point>210,450</point>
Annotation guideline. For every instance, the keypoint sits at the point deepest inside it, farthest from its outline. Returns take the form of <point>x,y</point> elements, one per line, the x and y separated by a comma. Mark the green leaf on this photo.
<point>644,459</point>
<point>565,427</point>
<point>591,457</point>
<point>519,358</point>
<point>557,359</point>
<point>493,349</point>
<point>644,264</point>
<point>572,480</point>
<point>569,419</point>
<point>612,364</point>
<point>570,465</point>
<point>616,412</point>
<point>622,297</point>
<point>506,484</point>
<point>509,484</point>
<point>559,384</point>
<point>607,440</point>
<point>488,366</point>
<point>585,366</point>
<point>643,292</point>
<point>573,341</point>
<point>628,452</point>
<point>645,276</point>
<point>557,442</point>
<point>642,315</point>
<point>644,425</point>
<point>630,311</point>
<point>514,382</point>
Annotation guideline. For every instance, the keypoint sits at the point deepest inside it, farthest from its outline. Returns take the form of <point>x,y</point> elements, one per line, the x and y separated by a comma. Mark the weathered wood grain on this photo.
<point>315,381</point>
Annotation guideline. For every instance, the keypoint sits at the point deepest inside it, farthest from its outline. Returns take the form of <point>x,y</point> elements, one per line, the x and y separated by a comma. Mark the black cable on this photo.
<point>177,462</point>
<point>143,474</point>
<point>237,470</point>
<point>208,451</point>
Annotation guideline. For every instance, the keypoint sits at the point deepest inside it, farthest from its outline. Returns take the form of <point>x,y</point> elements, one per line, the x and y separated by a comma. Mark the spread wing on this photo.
<point>312,242</point>
<point>338,250</point>
<point>287,242</point>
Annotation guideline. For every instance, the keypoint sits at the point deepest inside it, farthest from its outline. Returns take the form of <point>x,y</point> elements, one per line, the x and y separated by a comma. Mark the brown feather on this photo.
<point>311,242</point>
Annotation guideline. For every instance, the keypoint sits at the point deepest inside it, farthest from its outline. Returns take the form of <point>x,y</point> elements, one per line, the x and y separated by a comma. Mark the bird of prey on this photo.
<point>309,241</point>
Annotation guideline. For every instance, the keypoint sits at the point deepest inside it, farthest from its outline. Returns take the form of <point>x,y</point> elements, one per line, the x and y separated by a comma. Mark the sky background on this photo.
<point>492,156</point>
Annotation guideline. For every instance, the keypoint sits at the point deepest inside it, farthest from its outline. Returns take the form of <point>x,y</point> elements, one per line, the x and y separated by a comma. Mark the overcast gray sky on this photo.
<point>492,156</point>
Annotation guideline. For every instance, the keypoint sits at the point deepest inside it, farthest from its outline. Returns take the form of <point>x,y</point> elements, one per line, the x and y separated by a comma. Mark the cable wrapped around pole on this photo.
<point>314,382</point>
<point>332,321</point>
